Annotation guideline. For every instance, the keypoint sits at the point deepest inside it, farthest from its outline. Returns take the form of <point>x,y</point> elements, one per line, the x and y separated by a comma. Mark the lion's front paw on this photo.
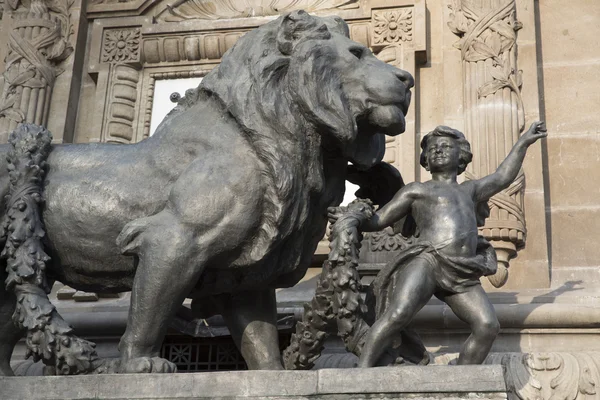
<point>146,365</point>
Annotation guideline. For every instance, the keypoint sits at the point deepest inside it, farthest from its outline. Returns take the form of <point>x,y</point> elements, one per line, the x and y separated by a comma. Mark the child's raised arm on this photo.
<point>488,186</point>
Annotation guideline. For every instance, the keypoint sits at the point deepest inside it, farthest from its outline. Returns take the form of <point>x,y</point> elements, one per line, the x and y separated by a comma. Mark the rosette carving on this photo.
<point>121,45</point>
<point>392,26</point>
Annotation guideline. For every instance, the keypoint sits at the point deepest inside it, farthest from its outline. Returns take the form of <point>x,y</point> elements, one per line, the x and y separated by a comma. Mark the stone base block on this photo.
<point>432,382</point>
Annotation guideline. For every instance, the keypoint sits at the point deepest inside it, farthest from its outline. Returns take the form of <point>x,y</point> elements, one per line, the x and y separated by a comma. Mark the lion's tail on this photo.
<point>49,337</point>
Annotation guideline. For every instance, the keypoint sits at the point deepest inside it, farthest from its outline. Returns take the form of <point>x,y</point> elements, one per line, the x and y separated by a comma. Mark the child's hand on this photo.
<point>535,132</point>
<point>333,213</point>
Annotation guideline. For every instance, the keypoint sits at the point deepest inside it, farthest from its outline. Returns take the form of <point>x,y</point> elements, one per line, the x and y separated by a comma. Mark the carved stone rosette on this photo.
<point>494,115</point>
<point>38,42</point>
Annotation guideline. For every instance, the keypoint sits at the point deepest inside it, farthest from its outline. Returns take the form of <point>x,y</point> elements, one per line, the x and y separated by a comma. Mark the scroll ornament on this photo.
<point>545,376</point>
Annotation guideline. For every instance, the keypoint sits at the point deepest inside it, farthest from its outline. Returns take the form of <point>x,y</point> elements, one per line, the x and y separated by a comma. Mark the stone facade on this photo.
<point>486,67</point>
<point>87,70</point>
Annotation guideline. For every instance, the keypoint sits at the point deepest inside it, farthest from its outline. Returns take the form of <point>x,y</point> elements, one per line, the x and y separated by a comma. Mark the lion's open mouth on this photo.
<point>388,120</point>
<point>373,125</point>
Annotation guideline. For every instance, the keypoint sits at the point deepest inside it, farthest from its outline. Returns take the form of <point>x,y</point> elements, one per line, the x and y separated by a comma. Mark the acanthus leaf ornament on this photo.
<point>387,240</point>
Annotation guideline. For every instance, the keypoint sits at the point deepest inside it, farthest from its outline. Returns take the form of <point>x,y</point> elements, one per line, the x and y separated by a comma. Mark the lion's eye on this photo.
<point>358,52</point>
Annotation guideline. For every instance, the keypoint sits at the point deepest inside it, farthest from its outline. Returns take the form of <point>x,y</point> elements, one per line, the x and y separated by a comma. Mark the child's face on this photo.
<point>443,154</point>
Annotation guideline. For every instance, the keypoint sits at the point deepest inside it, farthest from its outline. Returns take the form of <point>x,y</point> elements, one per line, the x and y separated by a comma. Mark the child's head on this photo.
<point>465,156</point>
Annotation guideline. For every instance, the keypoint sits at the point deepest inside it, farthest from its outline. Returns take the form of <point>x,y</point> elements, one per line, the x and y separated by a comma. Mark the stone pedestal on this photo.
<point>435,382</point>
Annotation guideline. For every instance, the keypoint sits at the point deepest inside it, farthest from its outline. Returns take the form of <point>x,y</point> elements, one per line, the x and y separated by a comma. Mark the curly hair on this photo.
<point>465,156</point>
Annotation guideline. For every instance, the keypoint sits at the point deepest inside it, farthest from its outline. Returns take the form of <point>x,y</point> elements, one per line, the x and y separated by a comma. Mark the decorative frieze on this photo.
<point>494,115</point>
<point>38,42</point>
<point>227,9</point>
<point>188,48</point>
<point>392,26</point>
<point>121,45</point>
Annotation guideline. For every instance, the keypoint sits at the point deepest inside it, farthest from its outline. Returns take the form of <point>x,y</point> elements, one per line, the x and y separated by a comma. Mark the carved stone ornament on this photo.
<point>38,42</point>
<point>386,240</point>
<point>545,376</point>
<point>494,114</point>
<point>224,9</point>
<point>121,45</point>
<point>392,26</point>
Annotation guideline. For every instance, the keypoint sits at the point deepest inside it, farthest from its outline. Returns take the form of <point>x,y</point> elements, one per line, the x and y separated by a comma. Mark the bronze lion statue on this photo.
<point>228,200</point>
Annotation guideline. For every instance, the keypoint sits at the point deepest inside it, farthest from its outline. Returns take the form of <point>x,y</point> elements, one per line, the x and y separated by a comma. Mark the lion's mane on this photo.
<point>282,119</point>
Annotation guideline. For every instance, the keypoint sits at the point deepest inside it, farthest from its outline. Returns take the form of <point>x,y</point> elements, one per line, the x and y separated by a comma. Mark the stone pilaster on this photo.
<point>494,113</point>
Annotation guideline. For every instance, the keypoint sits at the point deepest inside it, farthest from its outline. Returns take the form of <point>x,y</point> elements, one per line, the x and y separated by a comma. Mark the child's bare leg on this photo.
<point>414,287</point>
<point>474,308</point>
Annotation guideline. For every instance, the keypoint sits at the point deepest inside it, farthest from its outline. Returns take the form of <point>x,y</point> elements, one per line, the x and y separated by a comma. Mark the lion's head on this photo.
<point>308,99</point>
<point>301,74</point>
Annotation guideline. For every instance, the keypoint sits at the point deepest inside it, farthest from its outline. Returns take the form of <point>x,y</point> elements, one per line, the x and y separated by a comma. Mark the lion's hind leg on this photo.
<point>252,321</point>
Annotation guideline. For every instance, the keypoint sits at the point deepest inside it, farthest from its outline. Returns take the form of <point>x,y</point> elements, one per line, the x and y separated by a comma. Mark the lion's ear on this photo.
<point>299,25</point>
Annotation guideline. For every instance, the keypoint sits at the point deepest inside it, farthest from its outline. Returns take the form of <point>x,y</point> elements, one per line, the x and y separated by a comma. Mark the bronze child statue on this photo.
<point>449,256</point>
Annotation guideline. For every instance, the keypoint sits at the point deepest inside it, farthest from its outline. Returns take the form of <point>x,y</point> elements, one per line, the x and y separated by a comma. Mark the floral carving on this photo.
<point>488,45</point>
<point>392,26</point>
<point>121,45</point>
<point>488,36</point>
<point>386,240</point>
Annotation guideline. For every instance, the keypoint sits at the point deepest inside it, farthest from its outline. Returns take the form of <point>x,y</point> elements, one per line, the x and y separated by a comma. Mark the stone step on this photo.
<point>431,382</point>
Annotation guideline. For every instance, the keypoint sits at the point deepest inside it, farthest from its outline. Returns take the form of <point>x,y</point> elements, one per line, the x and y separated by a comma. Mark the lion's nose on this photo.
<point>405,77</point>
